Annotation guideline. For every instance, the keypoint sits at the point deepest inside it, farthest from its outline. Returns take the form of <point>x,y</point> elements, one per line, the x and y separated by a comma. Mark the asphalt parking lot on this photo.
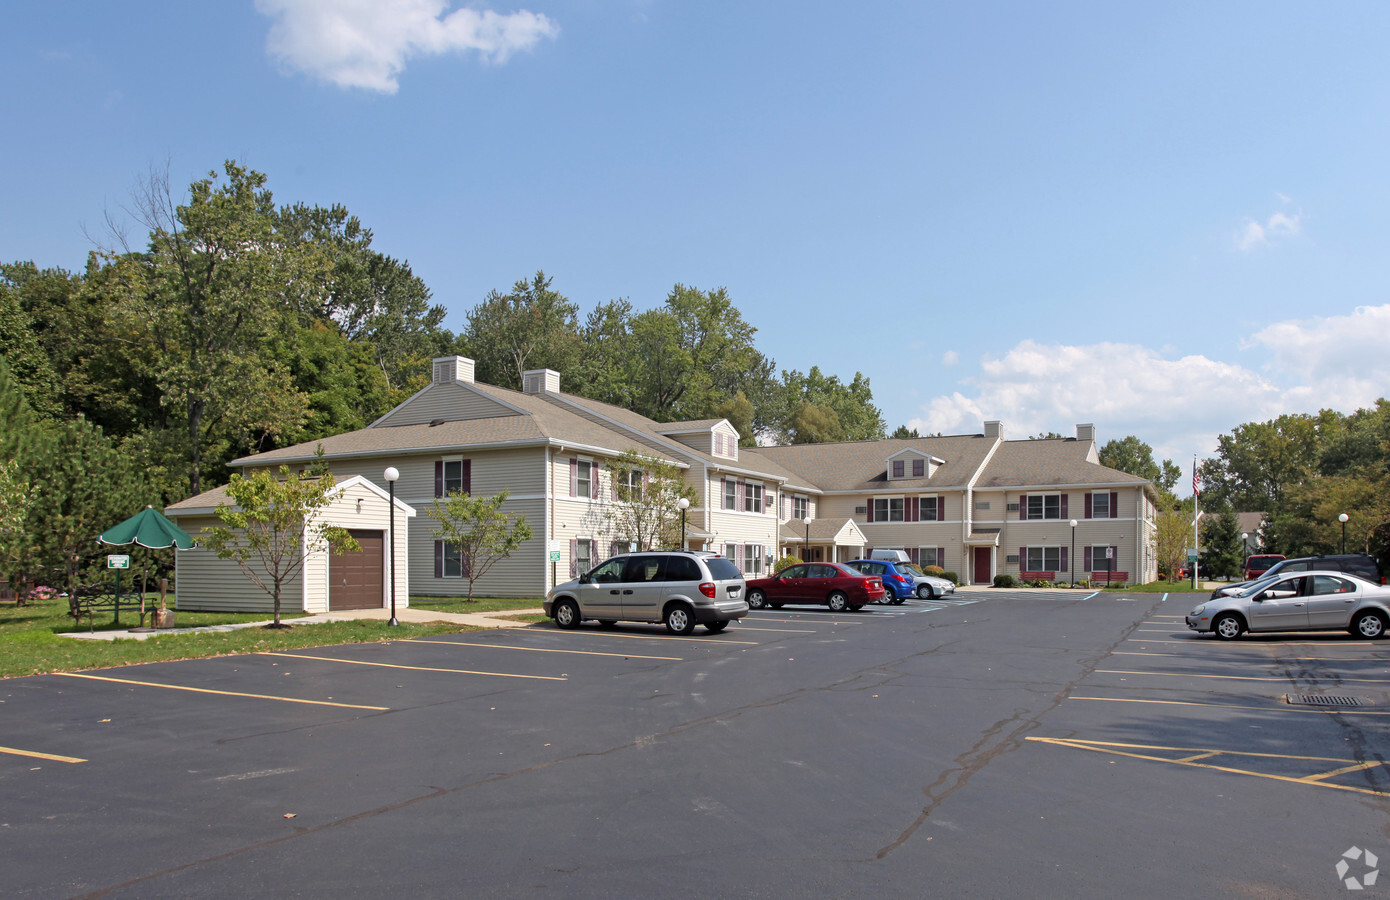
<point>1001,744</point>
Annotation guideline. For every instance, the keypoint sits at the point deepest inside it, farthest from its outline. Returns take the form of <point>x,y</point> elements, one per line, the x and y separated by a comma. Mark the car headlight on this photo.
<point>1198,610</point>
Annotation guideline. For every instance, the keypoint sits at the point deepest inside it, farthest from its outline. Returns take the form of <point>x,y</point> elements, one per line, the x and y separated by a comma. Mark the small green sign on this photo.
<point>118,561</point>
<point>1191,555</point>
<point>554,555</point>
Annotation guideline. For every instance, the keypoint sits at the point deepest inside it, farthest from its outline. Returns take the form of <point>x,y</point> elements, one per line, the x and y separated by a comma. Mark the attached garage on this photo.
<point>327,582</point>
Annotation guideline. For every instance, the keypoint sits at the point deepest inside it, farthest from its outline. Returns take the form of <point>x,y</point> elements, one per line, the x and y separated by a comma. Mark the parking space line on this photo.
<point>1316,780</point>
<point>382,665</point>
<point>778,630</point>
<point>34,754</point>
<point>195,690</point>
<point>1278,709</point>
<point>589,632</point>
<point>541,649</point>
<point>1234,677</point>
<point>1246,659</point>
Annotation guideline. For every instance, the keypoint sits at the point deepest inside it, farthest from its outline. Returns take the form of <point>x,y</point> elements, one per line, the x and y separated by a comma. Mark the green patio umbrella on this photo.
<point>148,528</point>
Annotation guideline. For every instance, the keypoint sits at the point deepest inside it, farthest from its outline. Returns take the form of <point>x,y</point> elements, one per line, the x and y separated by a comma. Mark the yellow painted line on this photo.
<point>1355,767</point>
<point>1234,677</point>
<point>1114,748</point>
<point>541,649</point>
<point>1260,641</point>
<point>180,687</point>
<point>1208,755</point>
<point>1292,709</point>
<point>363,662</point>
<point>34,754</point>
<point>647,637</point>
<point>779,630</point>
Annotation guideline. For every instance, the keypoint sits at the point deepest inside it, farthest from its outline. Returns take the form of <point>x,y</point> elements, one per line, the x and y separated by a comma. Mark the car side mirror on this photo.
<point>586,578</point>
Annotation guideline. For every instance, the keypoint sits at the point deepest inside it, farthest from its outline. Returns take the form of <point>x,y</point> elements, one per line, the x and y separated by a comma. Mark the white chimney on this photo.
<point>993,429</point>
<point>1085,432</point>
<point>448,369</point>
<point>536,381</point>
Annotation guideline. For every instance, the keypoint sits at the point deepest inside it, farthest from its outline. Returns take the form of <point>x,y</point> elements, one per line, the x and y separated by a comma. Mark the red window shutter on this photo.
<point>465,565</point>
<point>438,559</point>
<point>871,510</point>
<point>1114,504</point>
<point>910,510</point>
<point>912,553</point>
<point>1023,506</point>
<point>574,558</point>
<point>468,476</point>
<point>439,478</point>
<point>1086,559</point>
<point>1063,560</point>
<point>1022,559</point>
<point>1064,507</point>
<point>941,557</point>
<point>741,496</point>
<point>940,507</point>
<point>1088,506</point>
<point>574,477</point>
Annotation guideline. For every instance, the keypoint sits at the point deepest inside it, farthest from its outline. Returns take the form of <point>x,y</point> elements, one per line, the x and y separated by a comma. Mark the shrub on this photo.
<point>1005,581</point>
<point>1040,583</point>
<point>784,562</point>
<point>951,577</point>
<point>935,571</point>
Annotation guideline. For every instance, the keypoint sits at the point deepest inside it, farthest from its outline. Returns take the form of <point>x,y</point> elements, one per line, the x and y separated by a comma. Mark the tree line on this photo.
<point>236,325</point>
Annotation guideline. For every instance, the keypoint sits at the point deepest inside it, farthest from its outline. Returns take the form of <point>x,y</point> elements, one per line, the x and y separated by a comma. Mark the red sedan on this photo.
<point>829,584</point>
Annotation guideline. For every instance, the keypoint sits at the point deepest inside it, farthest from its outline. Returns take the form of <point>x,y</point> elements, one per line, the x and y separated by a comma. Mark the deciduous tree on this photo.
<point>646,493</point>
<point>482,532</point>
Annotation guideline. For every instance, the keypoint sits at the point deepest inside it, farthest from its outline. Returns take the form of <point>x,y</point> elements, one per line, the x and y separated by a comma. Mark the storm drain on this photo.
<point>1322,700</point>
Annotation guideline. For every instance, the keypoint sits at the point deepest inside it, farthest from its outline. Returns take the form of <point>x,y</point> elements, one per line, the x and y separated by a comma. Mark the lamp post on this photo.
<point>391,474</point>
<point>684,504</point>
<point>1071,563</point>
<point>1343,519</point>
<point>807,550</point>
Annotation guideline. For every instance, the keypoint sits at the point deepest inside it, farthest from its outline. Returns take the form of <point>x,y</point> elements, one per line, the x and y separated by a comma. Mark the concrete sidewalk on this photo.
<point>495,619</point>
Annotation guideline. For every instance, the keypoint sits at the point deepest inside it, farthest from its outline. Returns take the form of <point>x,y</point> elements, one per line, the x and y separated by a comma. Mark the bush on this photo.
<point>784,562</point>
<point>951,577</point>
<point>935,571</point>
<point>1005,581</point>
<point>1040,583</point>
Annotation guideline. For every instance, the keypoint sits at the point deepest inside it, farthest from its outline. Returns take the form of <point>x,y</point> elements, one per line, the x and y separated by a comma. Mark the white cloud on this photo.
<point>1178,404</point>
<point>366,43</point>
<point>950,358</point>
<point>1254,234</point>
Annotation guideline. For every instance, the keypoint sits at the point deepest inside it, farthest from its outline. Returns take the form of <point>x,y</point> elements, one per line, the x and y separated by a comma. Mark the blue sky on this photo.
<point>1164,219</point>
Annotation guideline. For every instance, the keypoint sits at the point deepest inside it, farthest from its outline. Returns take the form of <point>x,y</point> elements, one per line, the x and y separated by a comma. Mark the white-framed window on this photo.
<point>633,480</point>
<point>919,467</point>
<point>584,555</point>
<point>1043,559</point>
<point>888,509</point>
<point>753,498</point>
<point>801,508</point>
<point>1096,559</point>
<point>926,556</point>
<point>1045,506</point>
<point>584,475</point>
<point>730,494</point>
<point>898,469</point>
<point>929,509</point>
<point>1100,505</point>
<point>452,558</point>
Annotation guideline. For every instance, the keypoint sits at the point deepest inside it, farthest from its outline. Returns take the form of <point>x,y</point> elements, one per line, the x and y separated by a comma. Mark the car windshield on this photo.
<point>911,569</point>
<point>1259,584</point>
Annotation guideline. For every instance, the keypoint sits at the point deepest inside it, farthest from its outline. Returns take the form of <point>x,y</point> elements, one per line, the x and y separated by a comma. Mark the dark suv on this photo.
<point>678,587</point>
<point>1358,564</point>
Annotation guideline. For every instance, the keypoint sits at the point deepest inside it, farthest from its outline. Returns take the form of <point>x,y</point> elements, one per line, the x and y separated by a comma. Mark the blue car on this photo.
<point>903,579</point>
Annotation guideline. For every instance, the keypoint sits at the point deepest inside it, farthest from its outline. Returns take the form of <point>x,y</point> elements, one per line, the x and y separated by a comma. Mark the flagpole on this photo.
<point>1196,516</point>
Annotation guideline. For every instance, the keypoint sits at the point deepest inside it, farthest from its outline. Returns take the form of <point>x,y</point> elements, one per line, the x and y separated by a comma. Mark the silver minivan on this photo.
<point>1298,601</point>
<point>681,588</point>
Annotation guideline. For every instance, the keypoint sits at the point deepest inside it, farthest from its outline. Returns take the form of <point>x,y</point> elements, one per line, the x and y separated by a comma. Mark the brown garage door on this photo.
<point>357,580</point>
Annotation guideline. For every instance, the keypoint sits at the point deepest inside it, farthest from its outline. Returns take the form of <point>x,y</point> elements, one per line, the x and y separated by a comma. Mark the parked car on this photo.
<point>829,584</point>
<point>903,579</point>
<point>680,588</point>
<point>1257,565</point>
<point>1301,601</point>
<point>1358,564</point>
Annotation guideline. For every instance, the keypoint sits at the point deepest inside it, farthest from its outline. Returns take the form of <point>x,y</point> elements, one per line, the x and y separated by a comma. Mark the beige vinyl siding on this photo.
<point>451,402</point>
<point>520,575</point>
<point>205,583</point>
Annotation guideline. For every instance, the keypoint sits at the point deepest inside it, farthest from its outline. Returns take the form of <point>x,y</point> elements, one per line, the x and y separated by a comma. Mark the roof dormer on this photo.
<point>910,463</point>
<point>713,436</point>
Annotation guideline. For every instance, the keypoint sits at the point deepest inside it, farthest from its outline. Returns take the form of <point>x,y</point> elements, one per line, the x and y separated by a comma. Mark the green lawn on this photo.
<point>1160,587</point>
<point>32,641</point>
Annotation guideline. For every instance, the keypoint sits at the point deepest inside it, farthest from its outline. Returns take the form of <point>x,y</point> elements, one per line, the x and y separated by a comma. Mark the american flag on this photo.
<point>1196,488</point>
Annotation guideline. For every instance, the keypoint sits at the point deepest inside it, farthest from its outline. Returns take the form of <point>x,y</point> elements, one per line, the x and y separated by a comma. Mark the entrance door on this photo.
<point>358,580</point>
<point>982,567</point>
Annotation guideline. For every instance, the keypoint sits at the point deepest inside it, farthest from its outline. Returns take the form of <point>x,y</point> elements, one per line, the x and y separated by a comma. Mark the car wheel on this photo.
<point>679,619</point>
<point>608,623</point>
<point>1227,627</point>
<point>775,605</point>
<point>886,599</point>
<point>899,601</point>
<point>716,627</point>
<point>856,608</point>
<point>756,599</point>
<point>1369,625</point>
<point>837,602</point>
<point>924,592</point>
<point>567,614</point>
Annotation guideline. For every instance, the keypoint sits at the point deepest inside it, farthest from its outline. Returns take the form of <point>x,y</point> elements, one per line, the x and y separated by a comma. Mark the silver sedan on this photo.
<point>1300,601</point>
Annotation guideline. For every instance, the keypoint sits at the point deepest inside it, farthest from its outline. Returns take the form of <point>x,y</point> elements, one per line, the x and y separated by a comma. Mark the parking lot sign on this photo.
<point>118,561</point>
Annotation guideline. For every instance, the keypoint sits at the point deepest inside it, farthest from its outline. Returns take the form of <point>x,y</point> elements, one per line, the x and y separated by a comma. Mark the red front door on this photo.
<point>982,557</point>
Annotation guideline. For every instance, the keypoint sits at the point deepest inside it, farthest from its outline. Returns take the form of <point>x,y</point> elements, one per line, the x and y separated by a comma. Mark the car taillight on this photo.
<point>897,577</point>
<point>707,589</point>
